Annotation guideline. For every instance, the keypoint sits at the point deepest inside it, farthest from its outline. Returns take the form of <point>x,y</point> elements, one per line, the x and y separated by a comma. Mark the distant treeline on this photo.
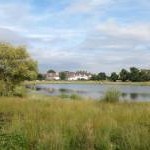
<point>134,75</point>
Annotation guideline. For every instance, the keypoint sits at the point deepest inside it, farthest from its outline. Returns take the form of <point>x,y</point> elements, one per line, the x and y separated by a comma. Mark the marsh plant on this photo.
<point>50,123</point>
<point>111,96</point>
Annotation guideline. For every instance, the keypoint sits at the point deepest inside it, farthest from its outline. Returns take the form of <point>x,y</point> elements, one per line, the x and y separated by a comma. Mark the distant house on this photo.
<point>71,76</point>
<point>52,76</point>
<point>80,75</point>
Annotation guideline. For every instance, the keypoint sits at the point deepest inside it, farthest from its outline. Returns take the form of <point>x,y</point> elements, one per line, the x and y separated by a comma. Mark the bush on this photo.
<point>5,88</point>
<point>20,91</point>
<point>2,88</point>
<point>75,97</point>
<point>64,96</point>
<point>112,95</point>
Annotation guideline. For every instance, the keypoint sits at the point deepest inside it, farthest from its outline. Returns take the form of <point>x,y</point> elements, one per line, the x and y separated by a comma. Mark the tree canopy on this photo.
<point>51,71</point>
<point>114,76</point>
<point>16,65</point>
<point>124,75</point>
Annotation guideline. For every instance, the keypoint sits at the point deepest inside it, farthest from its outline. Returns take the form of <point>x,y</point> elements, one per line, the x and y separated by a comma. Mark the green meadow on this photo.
<point>69,123</point>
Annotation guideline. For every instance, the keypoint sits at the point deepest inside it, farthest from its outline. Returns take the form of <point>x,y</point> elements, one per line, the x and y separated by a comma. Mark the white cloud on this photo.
<point>86,6</point>
<point>139,31</point>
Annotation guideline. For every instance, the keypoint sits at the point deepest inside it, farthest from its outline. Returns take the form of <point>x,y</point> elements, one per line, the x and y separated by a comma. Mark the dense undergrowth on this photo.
<point>56,123</point>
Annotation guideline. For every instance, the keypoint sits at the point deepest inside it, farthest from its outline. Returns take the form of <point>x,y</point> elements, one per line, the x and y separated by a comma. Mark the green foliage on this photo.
<point>40,77</point>
<point>63,96</point>
<point>20,91</point>
<point>62,76</point>
<point>56,124</point>
<point>124,75</point>
<point>94,77</point>
<point>114,76</point>
<point>15,66</point>
<point>134,74</point>
<point>72,96</point>
<point>51,71</point>
<point>111,96</point>
<point>102,76</point>
<point>75,97</point>
<point>13,141</point>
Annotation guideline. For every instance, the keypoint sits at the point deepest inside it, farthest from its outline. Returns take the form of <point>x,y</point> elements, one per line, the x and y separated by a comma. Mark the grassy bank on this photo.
<point>55,123</point>
<point>88,82</point>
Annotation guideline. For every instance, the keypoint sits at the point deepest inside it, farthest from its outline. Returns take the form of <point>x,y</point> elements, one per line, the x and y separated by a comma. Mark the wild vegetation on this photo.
<point>134,75</point>
<point>16,66</point>
<point>66,122</point>
<point>56,123</point>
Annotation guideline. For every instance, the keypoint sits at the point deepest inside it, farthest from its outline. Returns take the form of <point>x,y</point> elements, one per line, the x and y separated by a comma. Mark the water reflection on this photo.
<point>138,93</point>
<point>134,96</point>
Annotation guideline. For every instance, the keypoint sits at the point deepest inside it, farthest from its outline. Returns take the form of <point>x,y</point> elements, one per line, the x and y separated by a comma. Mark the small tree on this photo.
<point>102,76</point>
<point>134,74</point>
<point>94,77</point>
<point>114,76</point>
<point>124,75</point>
<point>51,71</point>
<point>62,76</point>
<point>16,66</point>
<point>40,76</point>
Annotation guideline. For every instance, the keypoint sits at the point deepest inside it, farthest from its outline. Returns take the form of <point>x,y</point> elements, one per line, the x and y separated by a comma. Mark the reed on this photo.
<point>51,123</point>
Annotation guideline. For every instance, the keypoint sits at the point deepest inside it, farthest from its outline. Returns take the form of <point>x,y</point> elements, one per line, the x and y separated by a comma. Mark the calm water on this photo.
<point>128,92</point>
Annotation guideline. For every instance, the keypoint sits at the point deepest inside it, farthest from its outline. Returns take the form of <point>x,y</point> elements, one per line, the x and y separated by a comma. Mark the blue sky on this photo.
<point>93,35</point>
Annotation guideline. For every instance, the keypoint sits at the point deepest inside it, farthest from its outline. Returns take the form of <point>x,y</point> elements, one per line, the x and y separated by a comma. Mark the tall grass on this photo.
<point>43,123</point>
<point>111,96</point>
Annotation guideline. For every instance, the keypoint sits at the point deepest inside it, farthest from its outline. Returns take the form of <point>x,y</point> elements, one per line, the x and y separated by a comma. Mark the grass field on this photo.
<point>56,123</point>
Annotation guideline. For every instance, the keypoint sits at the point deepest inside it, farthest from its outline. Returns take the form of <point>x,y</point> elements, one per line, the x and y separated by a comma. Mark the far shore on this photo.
<point>87,82</point>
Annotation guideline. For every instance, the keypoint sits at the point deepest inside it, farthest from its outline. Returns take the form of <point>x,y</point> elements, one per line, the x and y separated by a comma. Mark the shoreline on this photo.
<point>87,82</point>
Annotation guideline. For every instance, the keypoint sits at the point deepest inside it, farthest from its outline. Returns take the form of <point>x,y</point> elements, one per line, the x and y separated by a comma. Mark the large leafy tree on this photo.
<point>124,75</point>
<point>102,76</point>
<point>16,65</point>
<point>134,74</point>
<point>114,76</point>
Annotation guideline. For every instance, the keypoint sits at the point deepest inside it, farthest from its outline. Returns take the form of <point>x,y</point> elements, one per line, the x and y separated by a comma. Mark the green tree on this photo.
<point>124,75</point>
<point>63,76</point>
<point>144,75</point>
<point>134,74</point>
<point>51,71</point>
<point>114,76</point>
<point>102,76</point>
<point>94,77</point>
<point>16,66</point>
<point>40,76</point>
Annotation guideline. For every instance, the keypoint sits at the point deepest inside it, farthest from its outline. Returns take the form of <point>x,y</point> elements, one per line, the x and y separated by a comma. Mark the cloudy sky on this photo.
<point>93,35</point>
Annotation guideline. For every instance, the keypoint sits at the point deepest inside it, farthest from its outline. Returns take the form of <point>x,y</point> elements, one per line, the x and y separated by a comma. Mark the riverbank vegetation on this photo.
<point>64,122</point>
<point>16,65</point>
<point>133,75</point>
<point>57,123</point>
<point>86,82</point>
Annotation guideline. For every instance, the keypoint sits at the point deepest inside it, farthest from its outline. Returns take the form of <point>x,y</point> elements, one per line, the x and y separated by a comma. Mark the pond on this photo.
<point>96,91</point>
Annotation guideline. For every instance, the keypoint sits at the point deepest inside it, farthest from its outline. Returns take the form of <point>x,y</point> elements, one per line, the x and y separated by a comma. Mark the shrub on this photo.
<point>64,96</point>
<point>20,91</point>
<point>5,88</point>
<point>75,97</point>
<point>112,95</point>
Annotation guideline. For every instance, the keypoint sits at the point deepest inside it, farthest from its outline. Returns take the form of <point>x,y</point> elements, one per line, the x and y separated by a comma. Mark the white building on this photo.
<point>79,76</point>
<point>52,76</point>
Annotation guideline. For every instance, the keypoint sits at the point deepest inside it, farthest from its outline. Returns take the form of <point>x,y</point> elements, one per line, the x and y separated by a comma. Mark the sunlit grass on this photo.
<point>52,123</point>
